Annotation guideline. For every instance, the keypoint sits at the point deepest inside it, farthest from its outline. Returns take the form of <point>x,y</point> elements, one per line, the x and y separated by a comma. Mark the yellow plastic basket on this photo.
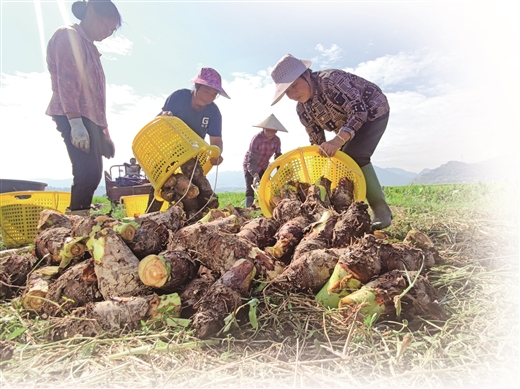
<point>20,213</point>
<point>304,164</point>
<point>136,205</point>
<point>165,144</point>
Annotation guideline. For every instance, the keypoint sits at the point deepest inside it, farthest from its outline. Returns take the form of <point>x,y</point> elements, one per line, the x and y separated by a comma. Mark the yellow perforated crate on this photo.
<point>136,205</point>
<point>304,164</point>
<point>164,144</point>
<point>20,213</point>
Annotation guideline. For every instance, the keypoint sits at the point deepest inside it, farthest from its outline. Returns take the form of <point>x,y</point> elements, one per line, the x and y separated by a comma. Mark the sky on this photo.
<point>450,71</point>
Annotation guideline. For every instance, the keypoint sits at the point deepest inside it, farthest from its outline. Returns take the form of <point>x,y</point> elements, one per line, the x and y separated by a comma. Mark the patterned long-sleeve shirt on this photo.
<point>340,100</point>
<point>77,77</point>
<point>260,151</point>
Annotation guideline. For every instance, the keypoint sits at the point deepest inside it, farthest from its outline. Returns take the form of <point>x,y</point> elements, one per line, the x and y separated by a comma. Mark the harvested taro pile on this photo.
<point>92,275</point>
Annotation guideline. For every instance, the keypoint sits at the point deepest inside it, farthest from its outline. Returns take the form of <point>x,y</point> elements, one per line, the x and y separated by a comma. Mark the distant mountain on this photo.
<point>455,172</point>
<point>394,176</point>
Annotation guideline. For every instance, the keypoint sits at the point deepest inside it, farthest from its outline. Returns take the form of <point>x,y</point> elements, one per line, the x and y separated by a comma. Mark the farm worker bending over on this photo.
<point>263,146</point>
<point>198,110</point>
<point>350,106</point>
<point>78,101</point>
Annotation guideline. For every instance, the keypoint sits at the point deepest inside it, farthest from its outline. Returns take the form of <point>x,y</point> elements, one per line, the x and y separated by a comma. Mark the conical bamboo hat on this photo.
<point>272,123</point>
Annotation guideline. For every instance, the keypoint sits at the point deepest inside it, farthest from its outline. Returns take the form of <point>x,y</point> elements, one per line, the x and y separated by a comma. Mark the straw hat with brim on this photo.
<point>272,123</point>
<point>211,78</point>
<point>285,72</point>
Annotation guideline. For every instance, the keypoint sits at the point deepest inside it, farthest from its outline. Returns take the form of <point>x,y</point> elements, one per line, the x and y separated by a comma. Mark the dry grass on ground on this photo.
<point>301,344</point>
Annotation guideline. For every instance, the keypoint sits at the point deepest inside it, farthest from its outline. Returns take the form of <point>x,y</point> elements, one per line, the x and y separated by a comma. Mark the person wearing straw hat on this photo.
<point>355,109</point>
<point>263,146</point>
<point>197,108</point>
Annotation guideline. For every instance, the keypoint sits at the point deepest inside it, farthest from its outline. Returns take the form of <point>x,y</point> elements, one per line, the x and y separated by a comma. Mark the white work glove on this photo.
<point>79,135</point>
<point>256,179</point>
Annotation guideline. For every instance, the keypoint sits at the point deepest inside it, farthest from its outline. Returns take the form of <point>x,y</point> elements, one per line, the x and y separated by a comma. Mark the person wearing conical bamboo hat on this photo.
<point>263,146</point>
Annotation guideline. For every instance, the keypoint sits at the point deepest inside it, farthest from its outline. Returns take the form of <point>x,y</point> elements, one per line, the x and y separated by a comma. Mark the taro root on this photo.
<point>222,298</point>
<point>402,256</point>
<point>50,218</point>
<point>421,240</point>
<point>193,292</point>
<point>367,258</point>
<point>218,250</point>
<point>116,266</point>
<point>352,224</point>
<point>167,271</point>
<point>314,205</point>
<point>342,195</point>
<point>38,286</point>
<point>287,238</point>
<point>58,246</point>
<point>154,231</point>
<point>260,231</point>
<point>383,295</point>
<point>319,235</point>
<point>185,188</point>
<point>289,206</point>
<point>76,287</point>
<point>114,315</point>
<point>193,169</point>
<point>14,270</point>
<point>85,226</point>
<point>357,264</point>
<point>307,273</point>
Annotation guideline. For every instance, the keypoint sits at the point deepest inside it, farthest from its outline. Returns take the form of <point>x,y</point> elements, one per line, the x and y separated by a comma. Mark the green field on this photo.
<point>298,343</point>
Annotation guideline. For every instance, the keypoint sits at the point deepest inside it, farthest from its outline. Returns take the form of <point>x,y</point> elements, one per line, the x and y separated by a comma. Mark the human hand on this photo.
<point>109,149</point>
<point>216,161</point>
<point>256,179</point>
<point>79,135</point>
<point>328,149</point>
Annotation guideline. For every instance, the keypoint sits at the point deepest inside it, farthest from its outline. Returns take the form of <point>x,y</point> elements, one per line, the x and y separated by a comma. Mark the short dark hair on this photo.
<point>102,7</point>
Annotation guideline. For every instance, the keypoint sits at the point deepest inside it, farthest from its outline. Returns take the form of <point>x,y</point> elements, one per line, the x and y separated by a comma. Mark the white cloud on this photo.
<point>119,45</point>
<point>327,56</point>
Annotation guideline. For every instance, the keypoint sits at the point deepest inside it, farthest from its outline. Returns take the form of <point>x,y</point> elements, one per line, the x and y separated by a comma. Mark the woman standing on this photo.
<point>78,102</point>
<point>355,109</point>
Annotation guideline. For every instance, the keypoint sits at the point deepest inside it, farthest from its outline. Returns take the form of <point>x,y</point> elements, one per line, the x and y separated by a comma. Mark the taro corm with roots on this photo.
<point>218,249</point>
<point>318,235</point>
<point>168,270</point>
<point>193,169</point>
<point>76,287</point>
<point>287,238</point>
<point>260,231</point>
<point>307,273</point>
<point>223,298</point>
<point>352,224</point>
<point>289,206</point>
<point>342,195</point>
<point>116,266</point>
<point>395,292</point>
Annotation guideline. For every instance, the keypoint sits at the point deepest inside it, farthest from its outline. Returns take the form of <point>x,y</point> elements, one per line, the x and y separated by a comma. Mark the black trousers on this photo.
<point>249,181</point>
<point>87,168</point>
<point>361,148</point>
